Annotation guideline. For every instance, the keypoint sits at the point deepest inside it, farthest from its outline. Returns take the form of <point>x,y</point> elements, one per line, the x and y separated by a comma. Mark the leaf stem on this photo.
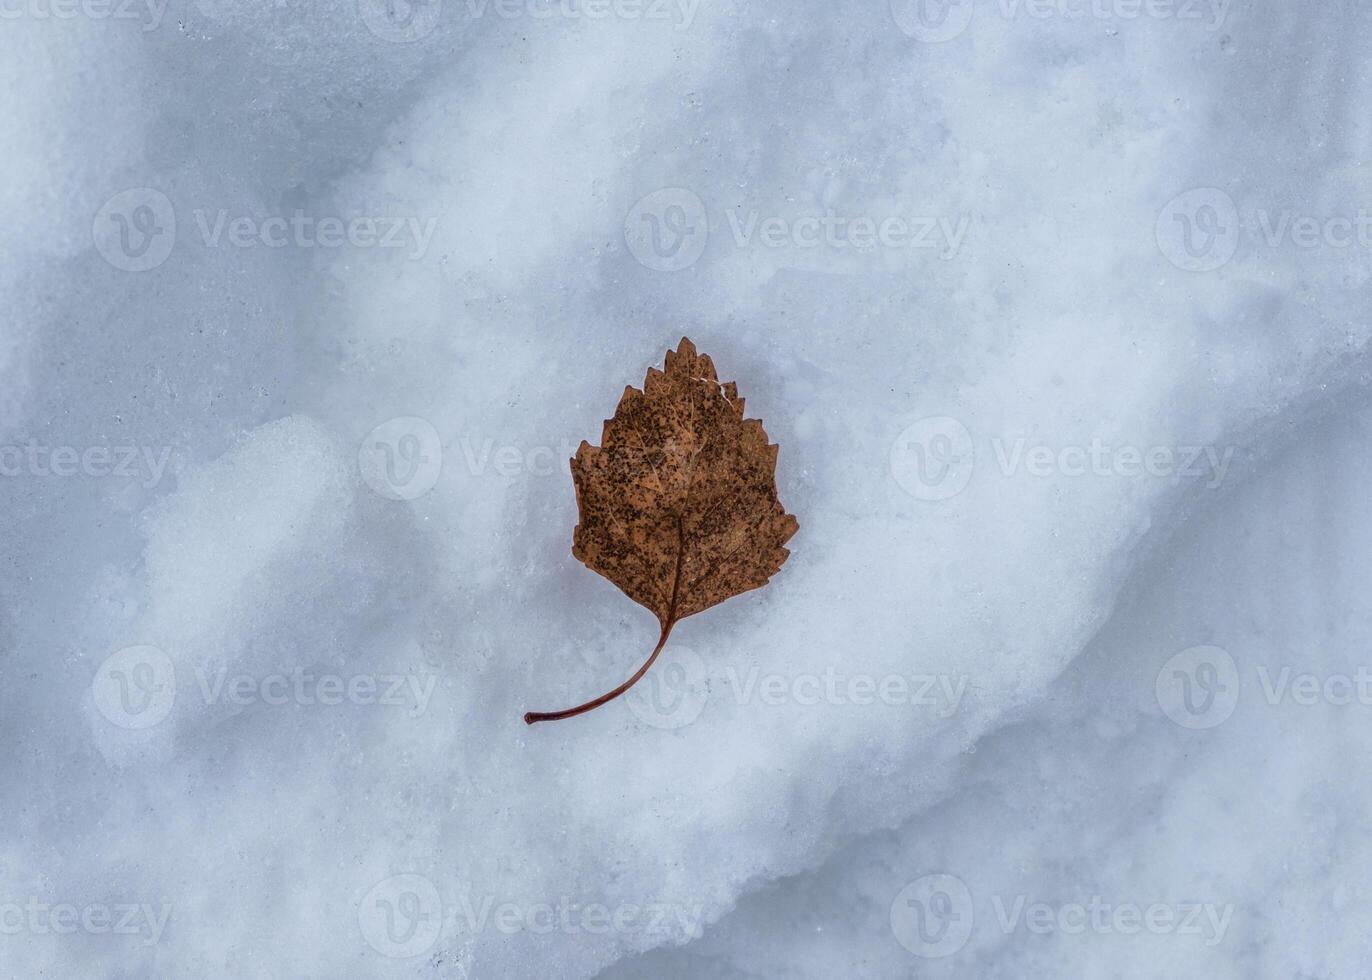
<point>533,717</point>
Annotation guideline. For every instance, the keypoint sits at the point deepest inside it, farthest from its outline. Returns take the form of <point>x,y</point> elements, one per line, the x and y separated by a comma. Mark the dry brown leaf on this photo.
<point>678,504</point>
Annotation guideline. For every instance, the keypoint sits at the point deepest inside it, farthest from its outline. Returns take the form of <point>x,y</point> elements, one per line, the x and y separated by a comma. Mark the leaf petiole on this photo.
<point>533,717</point>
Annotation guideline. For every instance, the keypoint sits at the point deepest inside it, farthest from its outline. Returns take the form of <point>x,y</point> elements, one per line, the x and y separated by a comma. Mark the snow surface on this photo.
<point>288,516</point>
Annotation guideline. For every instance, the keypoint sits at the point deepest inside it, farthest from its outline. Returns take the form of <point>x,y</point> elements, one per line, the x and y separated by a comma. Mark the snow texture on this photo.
<point>1057,311</point>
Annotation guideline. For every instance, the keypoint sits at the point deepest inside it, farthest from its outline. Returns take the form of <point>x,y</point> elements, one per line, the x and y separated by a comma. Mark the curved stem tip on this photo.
<point>533,717</point>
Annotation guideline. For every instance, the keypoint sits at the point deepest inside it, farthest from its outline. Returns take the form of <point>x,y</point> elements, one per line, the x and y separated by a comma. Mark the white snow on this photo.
<point>263,685</point>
